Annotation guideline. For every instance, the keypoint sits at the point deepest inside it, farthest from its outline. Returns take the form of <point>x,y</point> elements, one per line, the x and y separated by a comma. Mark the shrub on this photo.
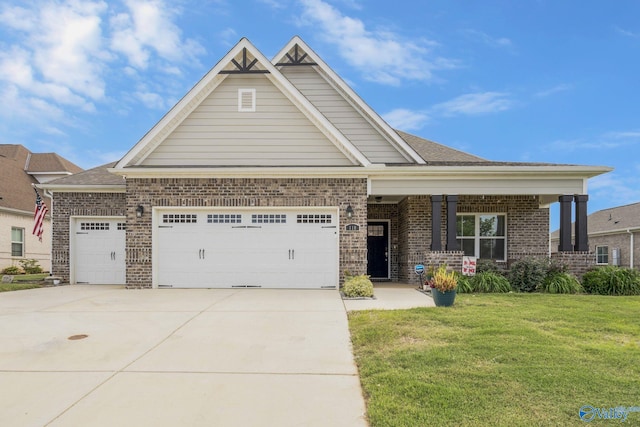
<point>358,286</point>
<point>464,285</point>
<point>560,283</point>
<point>30,266</point>
<point>489,281</point>
<point>611,280</point>
<point>13,270</point>
<point>483,265</point>
<point>527,274</point>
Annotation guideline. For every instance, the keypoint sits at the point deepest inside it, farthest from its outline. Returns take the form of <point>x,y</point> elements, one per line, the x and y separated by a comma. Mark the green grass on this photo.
<point>24,281</point>
<point>500,360</point>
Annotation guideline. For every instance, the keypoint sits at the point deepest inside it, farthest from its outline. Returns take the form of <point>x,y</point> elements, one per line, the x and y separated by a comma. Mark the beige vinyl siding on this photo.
<point>343,115</point>
<point>217,134</point>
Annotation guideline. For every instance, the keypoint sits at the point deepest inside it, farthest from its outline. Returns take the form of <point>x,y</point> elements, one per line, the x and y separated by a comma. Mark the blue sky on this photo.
<point>527,80</point>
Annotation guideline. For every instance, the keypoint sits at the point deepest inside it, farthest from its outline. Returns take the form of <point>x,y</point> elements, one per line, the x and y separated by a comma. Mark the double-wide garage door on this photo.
<point>246,248</point>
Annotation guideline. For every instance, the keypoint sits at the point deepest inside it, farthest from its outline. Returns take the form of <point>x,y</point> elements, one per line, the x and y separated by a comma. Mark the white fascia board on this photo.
<point>396,140</point>
<point>539,172</point>
<point>616,231</point>
<point>84,188</point>
<point>263,172</point>
<point>17,212</point>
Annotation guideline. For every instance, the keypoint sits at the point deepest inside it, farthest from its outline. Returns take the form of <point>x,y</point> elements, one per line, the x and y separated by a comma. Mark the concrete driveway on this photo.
<point>172,357</point>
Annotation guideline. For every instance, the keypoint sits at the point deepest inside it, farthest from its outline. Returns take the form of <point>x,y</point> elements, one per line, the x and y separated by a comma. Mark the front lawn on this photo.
<point>24,281</point>
<point>500,360</point>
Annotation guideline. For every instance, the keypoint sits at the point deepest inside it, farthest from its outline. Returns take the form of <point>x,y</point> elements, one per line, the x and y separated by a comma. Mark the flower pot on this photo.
<point>443,299</point>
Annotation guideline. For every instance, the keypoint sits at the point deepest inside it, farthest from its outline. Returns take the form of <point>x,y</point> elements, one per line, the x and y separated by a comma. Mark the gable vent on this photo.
<point>246,100</point>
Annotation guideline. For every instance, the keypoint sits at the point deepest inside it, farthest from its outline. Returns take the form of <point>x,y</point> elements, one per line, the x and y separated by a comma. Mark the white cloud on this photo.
<point>618,188</point>
<point>627,33</point>
<point>496,42</point>
<point>381,56</point>
<point>406,120</point>
<point>151,100</point>
<point>61,53</point>
<point>148,27</point>
<point>553,90</point>
<point>606,141</point>
<point>60,48</point>
<point>475,103</point>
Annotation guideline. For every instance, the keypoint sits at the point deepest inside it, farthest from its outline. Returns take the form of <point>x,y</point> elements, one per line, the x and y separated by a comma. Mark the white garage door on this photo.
<point>247,248</point>
<point>99,245</point>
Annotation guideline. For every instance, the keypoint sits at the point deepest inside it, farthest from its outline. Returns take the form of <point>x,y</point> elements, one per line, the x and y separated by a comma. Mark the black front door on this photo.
<point>378,250</point>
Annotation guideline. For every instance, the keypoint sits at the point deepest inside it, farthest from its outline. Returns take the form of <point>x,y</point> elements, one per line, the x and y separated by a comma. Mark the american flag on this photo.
<point>38,216</point>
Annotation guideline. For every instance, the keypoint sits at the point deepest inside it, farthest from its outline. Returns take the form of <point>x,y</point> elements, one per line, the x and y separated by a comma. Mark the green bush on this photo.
<point>611,280</point>
<point>489,281</point>
<point>358,286</point>
<point>464,285</point>
<point>30,266</point>
<point>527,274</point>
<point>12,271</point>
<point>560,283</point>
<point>483,265</point>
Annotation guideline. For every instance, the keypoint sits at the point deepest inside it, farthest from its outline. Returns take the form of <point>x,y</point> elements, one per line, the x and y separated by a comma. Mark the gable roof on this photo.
<point>611,220</point>
<point>434,152</point>
<point>17,167</point>
<point>243,57</point>
<point>297,53</point>
<point>621,217</point>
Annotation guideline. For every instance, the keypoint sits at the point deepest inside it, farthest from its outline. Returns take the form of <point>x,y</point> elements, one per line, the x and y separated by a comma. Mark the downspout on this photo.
<point>630,248</point>
<point>49,194</point>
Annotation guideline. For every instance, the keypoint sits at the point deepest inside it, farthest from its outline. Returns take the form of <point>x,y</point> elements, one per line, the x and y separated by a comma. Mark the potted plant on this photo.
<point>428,279</point>
<point>444,285</point>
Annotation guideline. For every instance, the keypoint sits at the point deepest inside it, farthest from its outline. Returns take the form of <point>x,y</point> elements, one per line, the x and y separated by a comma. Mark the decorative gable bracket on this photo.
<point>297,58</point>
<point>244,68</point>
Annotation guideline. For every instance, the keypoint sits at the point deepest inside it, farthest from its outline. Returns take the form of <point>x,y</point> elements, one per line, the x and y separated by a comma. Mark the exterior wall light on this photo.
<point>139,211</point>
<point>349,211</point>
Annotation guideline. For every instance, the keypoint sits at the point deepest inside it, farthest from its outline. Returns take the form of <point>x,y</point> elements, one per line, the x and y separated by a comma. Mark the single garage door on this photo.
<point>247,248</point>
<point>99,245</point>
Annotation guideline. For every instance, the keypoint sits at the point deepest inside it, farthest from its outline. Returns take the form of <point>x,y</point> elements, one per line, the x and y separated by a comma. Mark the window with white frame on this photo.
<point>602,254</point>
<point>482,235</point>
<point>17,242</point>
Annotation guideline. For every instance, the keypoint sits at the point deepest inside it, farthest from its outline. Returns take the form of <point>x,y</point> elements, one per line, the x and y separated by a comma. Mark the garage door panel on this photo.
<point>99,248</point>
<point>248,248</point>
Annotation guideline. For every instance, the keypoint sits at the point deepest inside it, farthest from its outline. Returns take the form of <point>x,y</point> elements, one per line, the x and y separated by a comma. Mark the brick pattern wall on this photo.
<point>527,229</point>
<point>66,205</point>
<point>527,224</point>
<point>577,263</point>
<point>621,241</point>
<point>388,212</point>
<point>249,192</point>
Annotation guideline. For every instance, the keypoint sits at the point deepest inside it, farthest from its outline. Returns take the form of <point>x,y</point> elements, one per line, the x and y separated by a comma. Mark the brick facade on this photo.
<point>410,219</point>
<point>620,241</point>
<point>67,205</point>
<point>577,263</point>
<point>527,230</point>
<point>254,193</point>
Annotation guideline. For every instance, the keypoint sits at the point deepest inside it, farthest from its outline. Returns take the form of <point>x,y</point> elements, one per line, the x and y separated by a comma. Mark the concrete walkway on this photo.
<point>106,356</point>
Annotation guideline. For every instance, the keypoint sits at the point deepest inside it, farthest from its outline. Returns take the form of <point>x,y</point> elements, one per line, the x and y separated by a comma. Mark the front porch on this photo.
<point>437,229</point>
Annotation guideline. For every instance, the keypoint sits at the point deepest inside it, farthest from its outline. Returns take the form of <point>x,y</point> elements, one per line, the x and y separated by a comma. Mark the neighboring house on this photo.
<point>614,236</point>
<point>277,174</point>
<point>20,169</point>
